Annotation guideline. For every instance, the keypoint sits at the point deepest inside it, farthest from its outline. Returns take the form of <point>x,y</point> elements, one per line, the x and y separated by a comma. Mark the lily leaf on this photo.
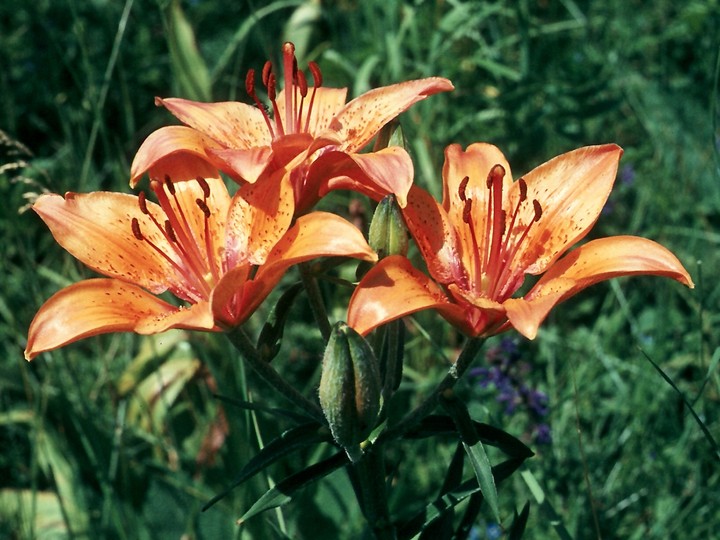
<point>274,411</point>
<point>288,442</point>
<point>519,523</point>
<point>434,425</point>
<point>270,337</point>
<point>283,491</point>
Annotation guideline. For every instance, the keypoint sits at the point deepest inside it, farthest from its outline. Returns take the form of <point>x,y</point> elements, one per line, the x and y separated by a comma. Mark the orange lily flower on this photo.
<point>307,129</point>
<point>220,256</point>
<point>490,231</point>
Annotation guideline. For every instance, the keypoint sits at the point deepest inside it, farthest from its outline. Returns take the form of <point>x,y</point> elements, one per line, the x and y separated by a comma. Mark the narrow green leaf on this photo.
<point>290,441</point>
<point>474,449</point>
<point>189,68</point>
<point>282,492</point>
<point>273,411</point>
<point>270,337</point>
<point>434,425</point>
<point>519,523</point>
<point>702,425</point>
<point>546,508</point>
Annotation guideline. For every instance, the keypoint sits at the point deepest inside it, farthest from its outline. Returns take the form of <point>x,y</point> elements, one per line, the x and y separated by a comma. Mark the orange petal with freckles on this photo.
<point>591,263</point>
<point>571,189</point>
<point>90,308</point>
<point>327,103</point>
<point>377,174</point>
<point>96,229</point>
<point>364,116</point>
<point>394,289</point>
<point>318,234</point>
<point>260,214</point>
<point>435,236</point>
<point>231,123</point>
<point>175,151</point>
<point>243,165</point>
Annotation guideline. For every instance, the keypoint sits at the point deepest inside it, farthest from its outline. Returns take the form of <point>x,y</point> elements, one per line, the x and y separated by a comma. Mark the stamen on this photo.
<point>137,233</point>
<point>538,210</point>
<point>250,89</point>
<point>462,188</point>
<point>169,232</point>
<point>170,185</point>
<point>316,74</point>
<point>467,212</point>
<point>142,203</point>
<point>204,186</point>
<point>302,88</point>
<point>267,69</point>
<point>204,207</point>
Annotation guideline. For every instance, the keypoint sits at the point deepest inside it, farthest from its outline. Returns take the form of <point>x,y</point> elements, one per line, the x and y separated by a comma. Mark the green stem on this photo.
<point>316,301</point>
<point>263,368</point>
<point>370,471</point>
<point>465,359</point>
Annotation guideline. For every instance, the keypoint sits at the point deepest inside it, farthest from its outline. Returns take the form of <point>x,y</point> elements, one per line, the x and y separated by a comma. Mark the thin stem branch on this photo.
<point>263,368</point>
<point>316,301</point>
<point>465,359</point>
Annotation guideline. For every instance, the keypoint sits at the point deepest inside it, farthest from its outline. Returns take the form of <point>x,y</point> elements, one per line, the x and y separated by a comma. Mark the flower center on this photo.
<point>188,245</point>
<point>495,248</point>
<point>297,112</point>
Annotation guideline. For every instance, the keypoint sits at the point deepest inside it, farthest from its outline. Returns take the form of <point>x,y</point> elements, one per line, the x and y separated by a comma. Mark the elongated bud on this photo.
<point>349,388</point>
<point>388,234</point>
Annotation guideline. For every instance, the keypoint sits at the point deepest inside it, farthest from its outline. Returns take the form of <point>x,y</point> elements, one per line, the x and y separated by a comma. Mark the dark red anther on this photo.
<point>523,189</point>
<point>302,83</point>
<point>204,207</point>
<point>316,74</point>
<point>142,203</point>
<point>467,211</point>
<point>266,71</point>
<point>250,82</point>
<point>169,184</point>
<point>204,186</point>
<point>538,210</point>
<point>462,188</point>
<point>135,225</point>
<point>271,87</point>
<point>170,232</point>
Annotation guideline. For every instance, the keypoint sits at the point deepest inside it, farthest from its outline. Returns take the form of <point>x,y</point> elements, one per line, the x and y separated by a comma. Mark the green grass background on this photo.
<point>111,437</point>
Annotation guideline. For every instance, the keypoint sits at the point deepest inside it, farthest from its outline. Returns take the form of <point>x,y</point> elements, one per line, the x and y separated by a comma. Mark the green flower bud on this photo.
<point>388,234</point>
<point>349,388</point>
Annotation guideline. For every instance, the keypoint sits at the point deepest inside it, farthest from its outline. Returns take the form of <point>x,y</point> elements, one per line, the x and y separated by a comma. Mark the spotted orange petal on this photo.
<point>101,306</point>
<point>591,263</point>
<point>231,123</point>
<point>364,116</point>
<point>393,288</point>
<point>178,152</point>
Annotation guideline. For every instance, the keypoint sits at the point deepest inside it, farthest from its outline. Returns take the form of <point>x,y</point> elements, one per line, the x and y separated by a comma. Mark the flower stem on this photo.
<point>370,474</point>
<point>263,368</point>
<point>316,301</point>
<point>463,362</point>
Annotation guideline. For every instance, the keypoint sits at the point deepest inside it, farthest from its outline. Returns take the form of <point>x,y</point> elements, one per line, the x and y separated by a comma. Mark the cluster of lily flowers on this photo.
<point>221,255</point>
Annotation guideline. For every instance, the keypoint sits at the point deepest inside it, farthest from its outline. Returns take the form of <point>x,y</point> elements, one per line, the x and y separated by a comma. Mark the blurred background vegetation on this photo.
<point>121,437</point>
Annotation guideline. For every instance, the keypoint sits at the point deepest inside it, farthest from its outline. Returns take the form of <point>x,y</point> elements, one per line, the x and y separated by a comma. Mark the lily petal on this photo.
<point>175,151</point>
<point>435,236</point>
<point>387,171</point>
<point>318,234</point>
<point>392,289</point>
<point>260,214</point>
<point>591,263</point>
<point>231,123</point>
<point>571,189</point>
<point>365,115</point>
<point>325,105</point>
<point>90,308</point>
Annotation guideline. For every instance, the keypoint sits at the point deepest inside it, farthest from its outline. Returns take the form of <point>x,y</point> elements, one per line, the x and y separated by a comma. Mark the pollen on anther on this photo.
<point>135,225</point>
<point>204,186</point>
<point>462,188</point>
<point>169,231</point>
<point>169,185</point>
<point>250,82</point>
<point>467,211</point>
<point>538,210</point>
<point>204,207</point>
<point>316,74</point>
<point>523,189</point>
<point>142,203</point>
